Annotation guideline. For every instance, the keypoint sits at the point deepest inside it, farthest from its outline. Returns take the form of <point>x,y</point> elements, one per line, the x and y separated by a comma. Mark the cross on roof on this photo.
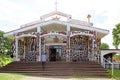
<point>56,3</point>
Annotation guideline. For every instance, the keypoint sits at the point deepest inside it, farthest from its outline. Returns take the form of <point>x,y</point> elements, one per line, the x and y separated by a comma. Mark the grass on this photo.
<point>116,73</point>
<point>76,76</point>
<point>10,76</point>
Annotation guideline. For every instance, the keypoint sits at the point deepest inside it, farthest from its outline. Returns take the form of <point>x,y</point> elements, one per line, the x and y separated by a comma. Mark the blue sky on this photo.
<point>105,13</point>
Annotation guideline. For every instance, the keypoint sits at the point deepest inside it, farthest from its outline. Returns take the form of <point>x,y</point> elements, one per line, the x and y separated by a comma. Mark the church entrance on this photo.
<point>52,54</point>
<point>55,53</point>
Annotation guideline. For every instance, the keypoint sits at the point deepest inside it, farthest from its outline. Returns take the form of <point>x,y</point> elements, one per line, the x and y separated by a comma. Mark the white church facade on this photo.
<point>60,36</point>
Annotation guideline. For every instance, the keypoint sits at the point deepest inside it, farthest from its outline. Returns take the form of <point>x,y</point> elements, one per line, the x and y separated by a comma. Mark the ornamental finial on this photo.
<point>89,16</point>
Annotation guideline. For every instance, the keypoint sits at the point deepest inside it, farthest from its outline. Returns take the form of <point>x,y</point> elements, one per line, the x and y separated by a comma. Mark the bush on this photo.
<point>5,59</point>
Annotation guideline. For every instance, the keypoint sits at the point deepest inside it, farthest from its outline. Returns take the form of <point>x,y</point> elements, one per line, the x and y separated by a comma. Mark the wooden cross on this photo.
<point>56,5</point>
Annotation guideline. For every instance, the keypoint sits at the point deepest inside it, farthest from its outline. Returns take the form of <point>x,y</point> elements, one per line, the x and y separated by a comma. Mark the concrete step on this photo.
<point>56,69</point>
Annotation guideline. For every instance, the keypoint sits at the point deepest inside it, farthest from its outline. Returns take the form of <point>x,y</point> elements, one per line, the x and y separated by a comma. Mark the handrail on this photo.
<point>109,63</point>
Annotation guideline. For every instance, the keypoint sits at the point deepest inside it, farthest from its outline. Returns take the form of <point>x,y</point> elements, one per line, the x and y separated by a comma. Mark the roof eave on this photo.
<point>58,22</point>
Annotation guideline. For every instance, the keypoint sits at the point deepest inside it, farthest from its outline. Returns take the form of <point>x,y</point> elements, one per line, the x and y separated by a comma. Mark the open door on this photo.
<point>52,54</point>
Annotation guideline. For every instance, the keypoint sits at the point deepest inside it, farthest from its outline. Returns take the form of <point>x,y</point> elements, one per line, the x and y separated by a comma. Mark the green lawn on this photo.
<point>10,76</point>
<point>116,73</point>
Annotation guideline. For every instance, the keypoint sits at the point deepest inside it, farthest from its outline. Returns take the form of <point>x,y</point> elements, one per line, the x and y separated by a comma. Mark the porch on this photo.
<point>78,46</point>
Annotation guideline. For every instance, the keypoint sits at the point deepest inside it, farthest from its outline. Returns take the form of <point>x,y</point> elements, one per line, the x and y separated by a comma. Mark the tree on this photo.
<point>5,44</point>
<point>5,49</point>
<point>116,57</point>
<point>116,38</point>
<point>104,46</point>
<point>5,59</point>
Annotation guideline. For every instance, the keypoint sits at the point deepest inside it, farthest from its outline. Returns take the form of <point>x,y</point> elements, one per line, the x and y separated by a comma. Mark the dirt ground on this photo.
<point>62,78</point>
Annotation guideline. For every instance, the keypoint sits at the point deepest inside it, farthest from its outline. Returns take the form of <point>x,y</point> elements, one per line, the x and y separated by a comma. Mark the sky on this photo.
<point>105,14</point>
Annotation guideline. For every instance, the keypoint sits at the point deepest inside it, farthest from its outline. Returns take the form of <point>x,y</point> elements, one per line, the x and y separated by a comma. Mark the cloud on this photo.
<point>105,13</point>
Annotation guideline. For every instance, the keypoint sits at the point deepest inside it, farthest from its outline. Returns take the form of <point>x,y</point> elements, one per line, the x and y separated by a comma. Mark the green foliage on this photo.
<point>116,57</point>
<point>104,46</point>
<point>116,38</point>
<point>5,50</point>
<point>5,59</point>
<point>9,76</point>
<point>116,73</point>
<point>5,44</point>
<point>76,76</point>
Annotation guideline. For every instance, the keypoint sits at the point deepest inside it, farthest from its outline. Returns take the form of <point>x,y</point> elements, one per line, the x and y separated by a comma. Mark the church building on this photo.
<point>60,36</point>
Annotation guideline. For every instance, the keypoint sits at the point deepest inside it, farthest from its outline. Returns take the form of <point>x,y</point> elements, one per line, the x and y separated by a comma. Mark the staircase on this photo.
<point>90,69</point>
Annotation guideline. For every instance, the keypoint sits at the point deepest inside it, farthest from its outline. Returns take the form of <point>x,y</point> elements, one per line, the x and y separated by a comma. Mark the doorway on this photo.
<point>52,54</point>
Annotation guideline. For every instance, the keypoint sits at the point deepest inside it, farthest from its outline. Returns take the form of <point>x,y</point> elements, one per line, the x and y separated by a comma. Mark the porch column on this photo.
<point>39,42</point>
<point>16,49</point>
<point>40,47</point>
<point>24,49</point>
<point>68,44</point>
<point>93,48</point>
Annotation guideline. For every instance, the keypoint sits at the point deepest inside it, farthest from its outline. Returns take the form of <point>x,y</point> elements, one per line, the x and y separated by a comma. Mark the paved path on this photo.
<point>62,78</point>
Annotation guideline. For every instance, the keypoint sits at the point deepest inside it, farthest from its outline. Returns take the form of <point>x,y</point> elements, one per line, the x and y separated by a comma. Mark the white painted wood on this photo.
<point>104,52</point>
<point>93,51</point>
<point>16,44</point>
<point>24,51</point>
<point>26,35</point>
<point>105,32</point>
<point>38,29</point>
<point>53,34</point>
<point>39,45</point>
<point>39,48</point>
<point>54,13</point>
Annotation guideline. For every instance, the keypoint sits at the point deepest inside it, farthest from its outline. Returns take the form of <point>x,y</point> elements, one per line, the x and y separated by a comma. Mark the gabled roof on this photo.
<point>57,22</point>
<point>72,22</point>
<point>69,19</point>
<point>56,13</point>
<point>42,18</point>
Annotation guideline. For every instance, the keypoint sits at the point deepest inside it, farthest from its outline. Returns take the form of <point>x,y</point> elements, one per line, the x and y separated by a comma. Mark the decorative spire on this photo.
<point>56,3</point>
<point>89,16</point>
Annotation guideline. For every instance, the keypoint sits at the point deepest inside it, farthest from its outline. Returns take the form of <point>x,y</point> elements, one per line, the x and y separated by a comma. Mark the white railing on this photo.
<point>105,61</point>
<point>117,65</point>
